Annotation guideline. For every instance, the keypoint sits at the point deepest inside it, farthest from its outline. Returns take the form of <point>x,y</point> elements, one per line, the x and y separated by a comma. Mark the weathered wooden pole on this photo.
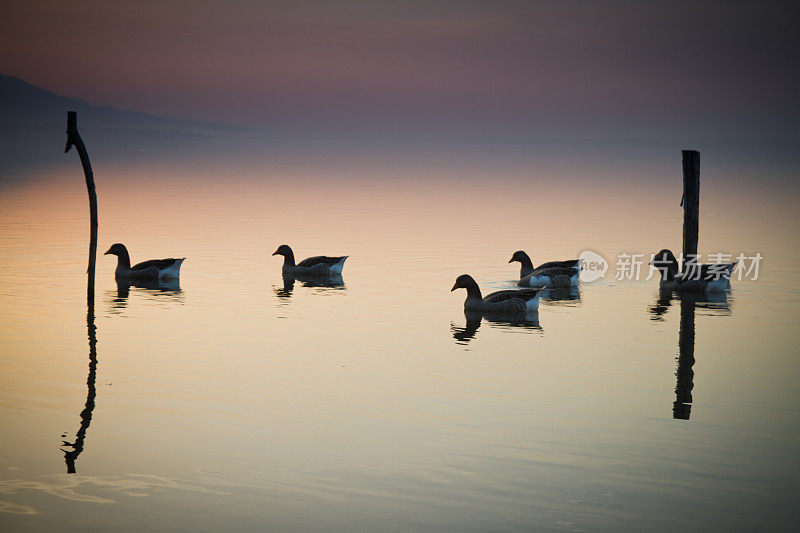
<point>74,139</point>
<point>691,205</point>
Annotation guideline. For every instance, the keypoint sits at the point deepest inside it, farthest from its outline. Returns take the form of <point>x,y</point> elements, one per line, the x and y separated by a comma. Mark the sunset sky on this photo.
<point>585,68</point>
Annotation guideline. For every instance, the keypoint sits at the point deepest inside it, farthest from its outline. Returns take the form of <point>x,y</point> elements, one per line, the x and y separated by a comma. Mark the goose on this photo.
<point>501,303</point>
<point>554,278</point>
<point>319,265</point>
<point>709,278</point>
<point>526,267</point>
<point>155,269</point>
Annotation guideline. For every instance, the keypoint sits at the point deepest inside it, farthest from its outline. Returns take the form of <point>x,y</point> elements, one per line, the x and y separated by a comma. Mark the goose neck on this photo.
<point>526,265</point>
<point>123,260</point>
<point>473,294</point>
<point>288,259</point>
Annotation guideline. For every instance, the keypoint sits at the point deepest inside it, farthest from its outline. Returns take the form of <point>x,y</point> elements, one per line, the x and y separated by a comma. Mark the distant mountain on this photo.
<point>26,106</point>
<point>33,120</point>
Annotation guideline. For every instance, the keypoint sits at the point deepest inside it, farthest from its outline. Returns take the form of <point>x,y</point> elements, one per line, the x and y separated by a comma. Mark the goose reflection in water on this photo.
<point>333,282</point>
<point>566,297</point>
<point>164,290</point>
<point>714,303</point>
<point>717,304</point>
<point>473,321</point>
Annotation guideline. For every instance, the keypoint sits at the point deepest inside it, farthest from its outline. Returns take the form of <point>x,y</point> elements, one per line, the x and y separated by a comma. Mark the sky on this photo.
<point>575,68</point>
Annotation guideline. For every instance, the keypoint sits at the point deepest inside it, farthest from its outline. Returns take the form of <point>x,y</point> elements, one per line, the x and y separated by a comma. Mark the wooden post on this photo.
<point>74,139</point>
<point>691,205</point>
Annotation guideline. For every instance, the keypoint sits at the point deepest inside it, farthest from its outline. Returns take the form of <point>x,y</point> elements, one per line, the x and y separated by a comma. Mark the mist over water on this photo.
<point>374,402</point>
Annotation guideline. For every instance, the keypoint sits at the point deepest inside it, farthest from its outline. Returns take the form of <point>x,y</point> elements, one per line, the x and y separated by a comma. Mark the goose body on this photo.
<point>701,278</point>
<point>319,265</point>
<point>154,269</point>
<point>501,303</point>
<point>527,268</point>
<point>556,278</point>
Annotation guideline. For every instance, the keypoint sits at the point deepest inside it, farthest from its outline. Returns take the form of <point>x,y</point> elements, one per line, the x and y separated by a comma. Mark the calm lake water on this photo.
<point>374,404</point>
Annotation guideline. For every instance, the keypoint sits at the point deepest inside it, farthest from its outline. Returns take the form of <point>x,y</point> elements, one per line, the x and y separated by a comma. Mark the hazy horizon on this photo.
<point>440,69</point>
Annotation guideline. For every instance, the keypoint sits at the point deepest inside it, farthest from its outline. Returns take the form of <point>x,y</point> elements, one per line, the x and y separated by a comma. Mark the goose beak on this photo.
<point>108,252</point>
<point>455,286</point>
<point>511,260</point>
<point>275,252</point>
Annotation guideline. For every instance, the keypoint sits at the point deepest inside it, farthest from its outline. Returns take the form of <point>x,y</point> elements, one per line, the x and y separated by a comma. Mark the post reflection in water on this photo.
<point>682,406</point>
<point>86,415</point>
<point>719,305</point>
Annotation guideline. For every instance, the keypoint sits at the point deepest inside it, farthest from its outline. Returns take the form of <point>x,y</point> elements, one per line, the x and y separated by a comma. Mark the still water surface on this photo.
<point>373,403</point>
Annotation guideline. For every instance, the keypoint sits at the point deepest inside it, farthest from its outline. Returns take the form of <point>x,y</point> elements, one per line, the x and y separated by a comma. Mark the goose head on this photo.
<point>519,255</point>
<point>666,263</point>
<point>464,281</point>
<point>117,249</point>
<point>283,250</point>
